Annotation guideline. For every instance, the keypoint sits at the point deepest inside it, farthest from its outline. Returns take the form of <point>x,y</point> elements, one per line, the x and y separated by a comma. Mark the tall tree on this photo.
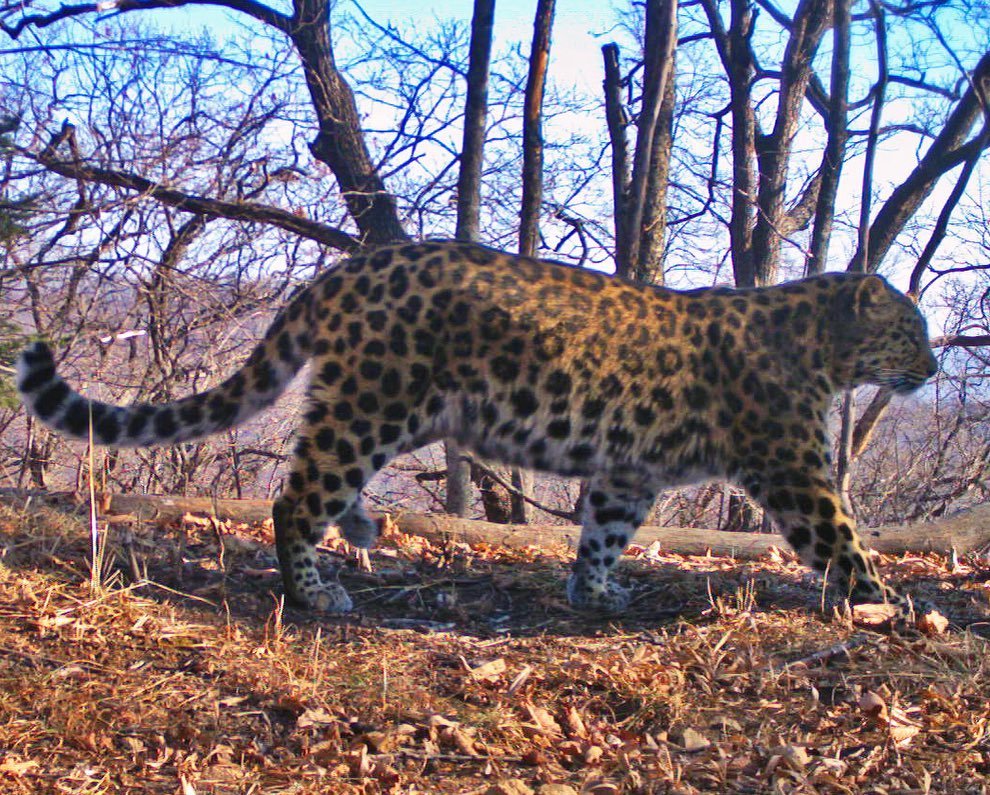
<point>532,186</point>
<point>469,201</point>
<point>640,187</point>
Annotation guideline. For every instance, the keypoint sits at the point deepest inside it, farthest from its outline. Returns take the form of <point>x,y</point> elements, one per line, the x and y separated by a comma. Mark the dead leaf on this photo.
<point>902,726</point>
<point>238,545</point>
<point>795,757</point>
<point>874,615</point>
<point>440,722</point>
<point>489,671</point>
<point>932,623</point>
<point>902,734</point>
<point>534,757</point>
<point>17,767</point>
<point>463,742</point>
<point>575,724</point>
<point>314,717</point>
<point>873,705</point>
<point>692,740</point>
<point>543,721</point>
<point>520,680</point>
<point>510,786</point>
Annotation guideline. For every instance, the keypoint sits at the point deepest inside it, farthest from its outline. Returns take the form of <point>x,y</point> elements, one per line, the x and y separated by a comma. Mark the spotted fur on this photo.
<point>552,367</point>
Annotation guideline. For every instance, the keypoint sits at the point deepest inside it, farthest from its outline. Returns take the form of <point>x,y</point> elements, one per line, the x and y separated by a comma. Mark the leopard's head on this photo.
<point>880,337</point>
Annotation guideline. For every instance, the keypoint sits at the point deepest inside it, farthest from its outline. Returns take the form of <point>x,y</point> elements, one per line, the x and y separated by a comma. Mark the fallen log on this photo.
<point>963,532</point>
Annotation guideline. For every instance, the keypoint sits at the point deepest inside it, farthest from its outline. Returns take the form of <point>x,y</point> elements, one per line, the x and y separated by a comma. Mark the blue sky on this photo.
<point>580,29</point>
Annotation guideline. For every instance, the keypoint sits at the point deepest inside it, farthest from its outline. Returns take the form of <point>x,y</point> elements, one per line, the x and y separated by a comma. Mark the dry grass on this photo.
<point>464,671</point>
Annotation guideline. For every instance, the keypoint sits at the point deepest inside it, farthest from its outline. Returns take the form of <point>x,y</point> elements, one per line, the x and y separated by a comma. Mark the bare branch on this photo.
<point>942,224</point>
<point>961,341</point>
<point>259,11</point>
<point>947,151</point>
<point>236,211</point>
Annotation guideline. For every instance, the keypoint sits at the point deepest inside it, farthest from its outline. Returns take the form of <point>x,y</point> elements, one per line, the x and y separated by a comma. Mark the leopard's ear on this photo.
<point>869,293</point>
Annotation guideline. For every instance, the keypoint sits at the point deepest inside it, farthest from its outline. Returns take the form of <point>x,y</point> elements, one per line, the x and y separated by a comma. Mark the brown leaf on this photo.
<point>534,757</point>
<point>873,705</point>
<point>902,727</point>
<point>17,767</point>
<point>692,740</point>
<point>510,786</point>
<point>464,743</point>
<point>378,742</point>
<point>543,721</point>
<point>314,717</point>
<point>874,615</point>
<point>489,671</point>
<point>575,724</point>
<point>932,623</point>
<point>902,734</point>
<point>795,757</point>
<point>520,680</point>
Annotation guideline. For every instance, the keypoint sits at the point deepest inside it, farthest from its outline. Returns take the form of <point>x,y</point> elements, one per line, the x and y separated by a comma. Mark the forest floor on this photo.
<point>463,670</point>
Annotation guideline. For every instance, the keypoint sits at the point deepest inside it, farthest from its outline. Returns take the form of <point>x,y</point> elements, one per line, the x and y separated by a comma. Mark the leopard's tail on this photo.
<point>256,386</point>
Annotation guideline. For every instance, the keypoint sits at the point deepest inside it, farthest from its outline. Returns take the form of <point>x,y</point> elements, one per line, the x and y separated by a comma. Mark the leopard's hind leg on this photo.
<point>334,460</point>
<point>615,506</point>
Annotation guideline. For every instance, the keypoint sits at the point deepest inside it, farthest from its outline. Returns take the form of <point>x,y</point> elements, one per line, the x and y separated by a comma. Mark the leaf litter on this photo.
<point>464,671</point>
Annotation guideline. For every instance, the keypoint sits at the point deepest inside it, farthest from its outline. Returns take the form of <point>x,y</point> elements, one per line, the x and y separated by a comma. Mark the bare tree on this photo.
<point>469,202</point>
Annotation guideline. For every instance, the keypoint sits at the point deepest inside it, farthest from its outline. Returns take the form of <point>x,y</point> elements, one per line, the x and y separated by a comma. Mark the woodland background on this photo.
<point>171,171</point>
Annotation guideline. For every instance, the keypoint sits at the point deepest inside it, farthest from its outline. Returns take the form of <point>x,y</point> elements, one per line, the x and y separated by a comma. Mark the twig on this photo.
<point>827,655</point>
<point>568,515</point>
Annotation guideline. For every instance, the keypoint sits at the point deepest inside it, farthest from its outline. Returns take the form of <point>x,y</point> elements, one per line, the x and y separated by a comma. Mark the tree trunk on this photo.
<point>835,148</point>
<point>658,71</point>
<point>469,200</point>
<point>617,119</point>
<point>773,151</point>
<point>340,141</point>
<point>649,266</point>
<point>735,52</point>
<point>532,189</point>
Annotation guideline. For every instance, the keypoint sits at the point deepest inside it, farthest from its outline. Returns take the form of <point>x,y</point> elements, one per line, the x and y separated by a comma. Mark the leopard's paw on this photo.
<point>332,598</point>
<point>586,594</point>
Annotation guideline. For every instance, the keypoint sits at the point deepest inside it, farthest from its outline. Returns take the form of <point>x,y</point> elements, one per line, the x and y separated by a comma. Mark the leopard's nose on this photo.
<point>932,365</point>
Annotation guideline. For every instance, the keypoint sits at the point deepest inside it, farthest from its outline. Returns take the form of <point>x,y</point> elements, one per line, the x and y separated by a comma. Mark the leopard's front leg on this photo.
<point>809,512</point>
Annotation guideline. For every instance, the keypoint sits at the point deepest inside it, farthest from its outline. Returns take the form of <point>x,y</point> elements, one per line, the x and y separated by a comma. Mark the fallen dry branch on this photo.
<point>963,532</point>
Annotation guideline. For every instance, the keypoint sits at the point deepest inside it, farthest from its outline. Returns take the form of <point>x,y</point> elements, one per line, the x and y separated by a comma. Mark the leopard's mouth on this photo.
<point>901,382</point>
<point>908,383</point>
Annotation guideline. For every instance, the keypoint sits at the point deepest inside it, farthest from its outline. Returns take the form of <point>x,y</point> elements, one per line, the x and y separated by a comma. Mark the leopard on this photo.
<point>557,368</point>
